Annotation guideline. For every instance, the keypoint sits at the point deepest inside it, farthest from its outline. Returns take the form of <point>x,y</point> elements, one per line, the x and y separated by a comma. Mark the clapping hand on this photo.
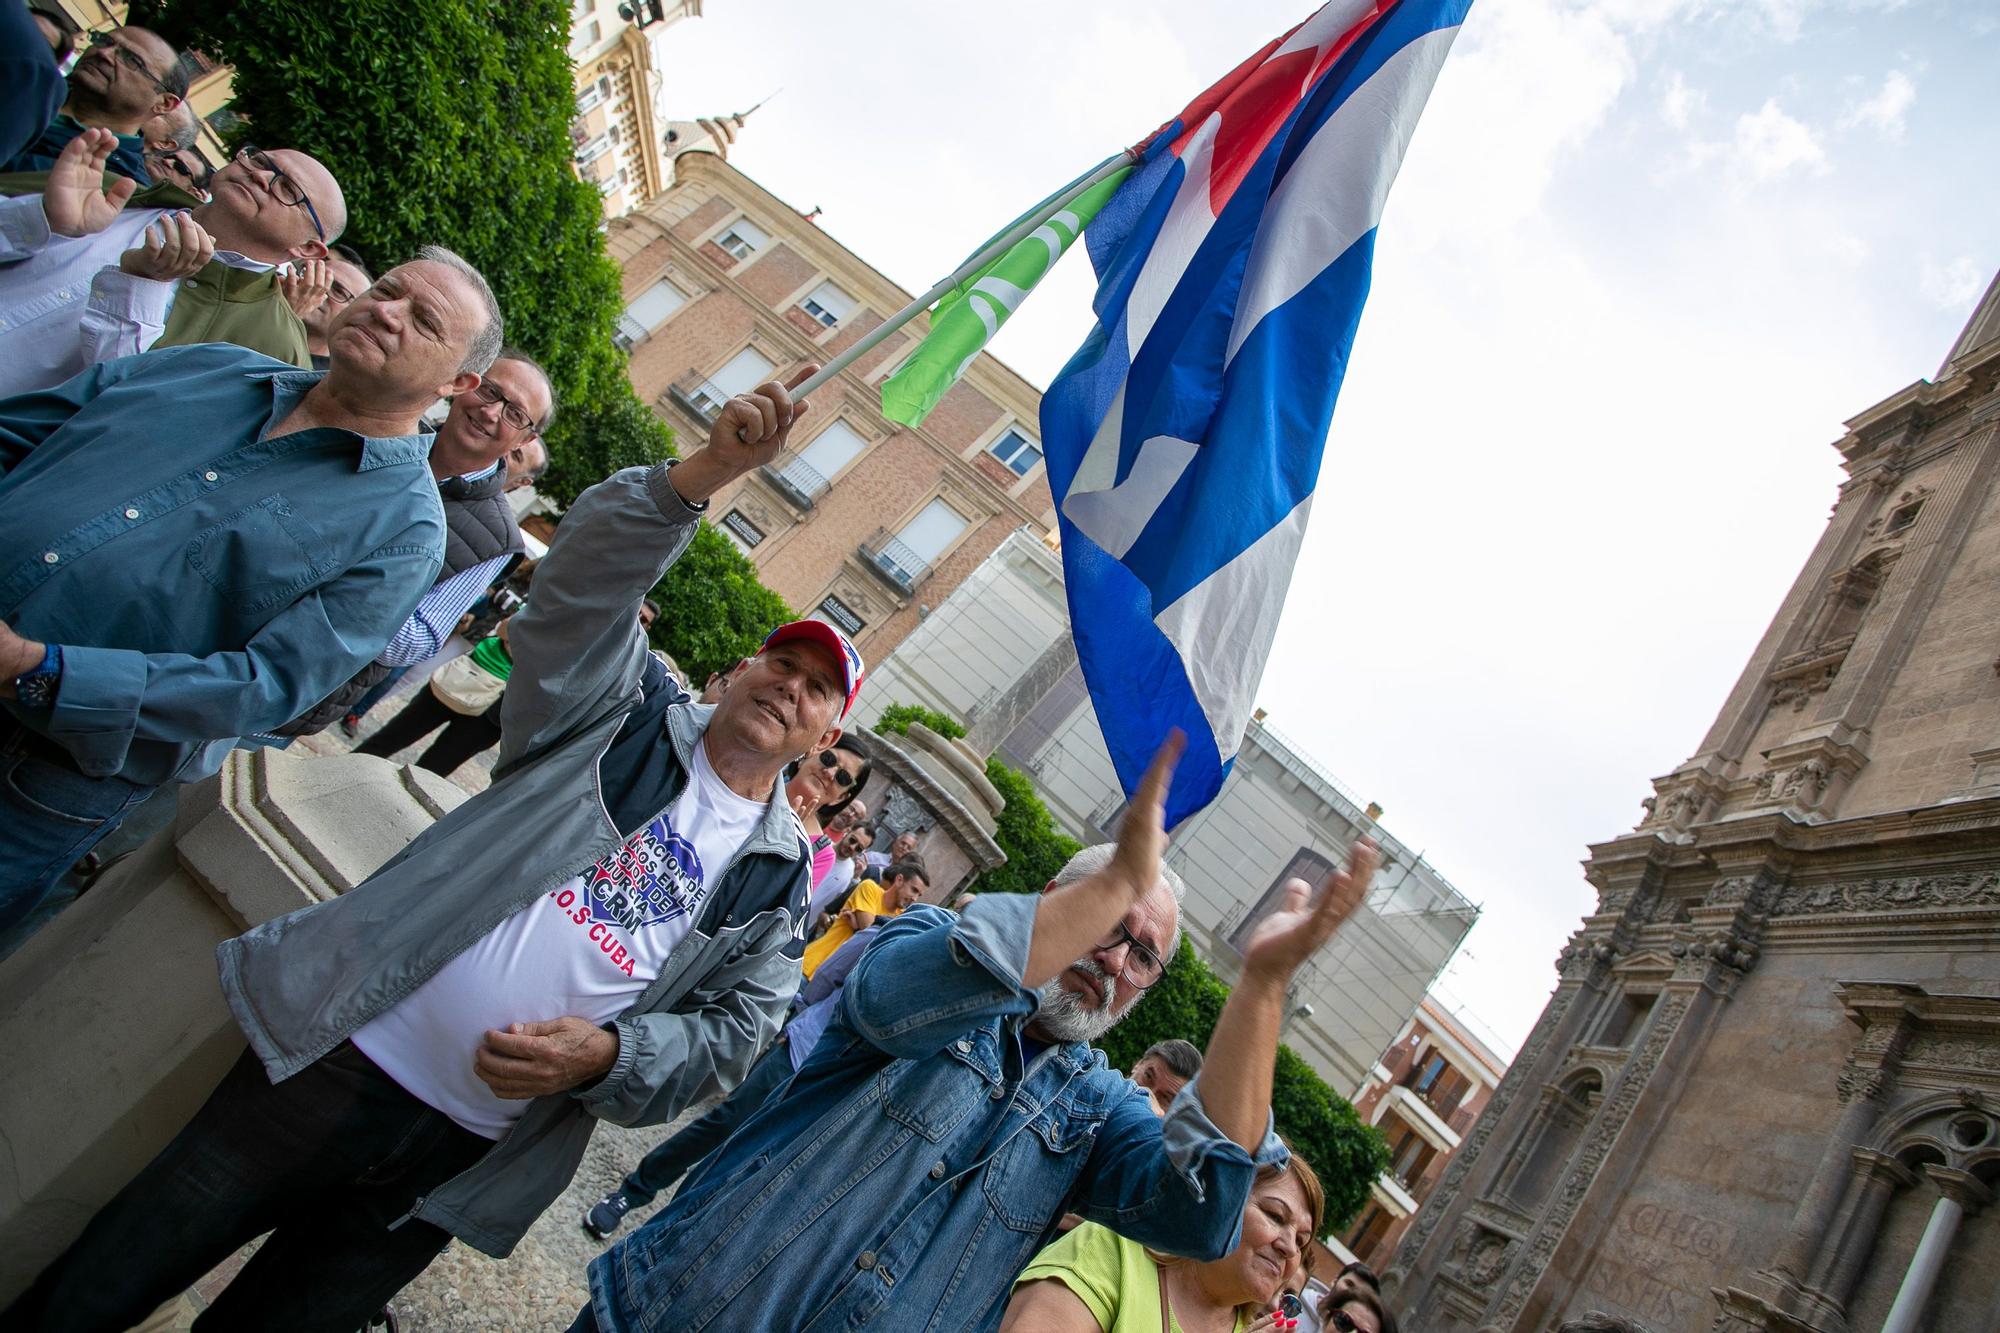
<point>175,246</point>
<point>76,200</point>
<point>1304,920</point>
<point>306,285</point>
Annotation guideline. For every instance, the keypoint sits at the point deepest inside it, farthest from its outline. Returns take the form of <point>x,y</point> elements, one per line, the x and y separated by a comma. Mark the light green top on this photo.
<point>1111,1275</point>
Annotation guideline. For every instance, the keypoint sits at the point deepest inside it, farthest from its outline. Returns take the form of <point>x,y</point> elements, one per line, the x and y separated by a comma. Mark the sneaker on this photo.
<point>606,1215</point>
<point>350,725</point>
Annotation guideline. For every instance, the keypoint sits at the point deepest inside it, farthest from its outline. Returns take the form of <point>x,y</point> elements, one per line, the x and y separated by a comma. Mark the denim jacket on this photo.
<point>917,1161</point>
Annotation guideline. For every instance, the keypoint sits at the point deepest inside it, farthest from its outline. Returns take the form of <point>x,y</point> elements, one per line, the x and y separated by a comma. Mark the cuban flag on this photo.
<point>1183,440</point>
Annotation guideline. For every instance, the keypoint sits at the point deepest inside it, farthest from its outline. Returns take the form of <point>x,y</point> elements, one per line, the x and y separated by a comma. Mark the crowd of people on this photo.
<point>224,522</point>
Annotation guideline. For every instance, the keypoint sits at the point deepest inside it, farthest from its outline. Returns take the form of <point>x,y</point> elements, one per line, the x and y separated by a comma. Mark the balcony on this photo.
<point>893,562</point>
<point>797,480</point>
<point>698,396</point>
<point>630,333</point>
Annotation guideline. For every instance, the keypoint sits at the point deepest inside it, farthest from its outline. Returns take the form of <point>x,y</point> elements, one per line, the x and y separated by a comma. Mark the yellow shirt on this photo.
<point>1114,1277</point>
<point>868,896</point>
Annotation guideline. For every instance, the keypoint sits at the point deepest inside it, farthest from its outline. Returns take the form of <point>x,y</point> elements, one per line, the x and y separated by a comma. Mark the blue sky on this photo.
<point>1644,258</point>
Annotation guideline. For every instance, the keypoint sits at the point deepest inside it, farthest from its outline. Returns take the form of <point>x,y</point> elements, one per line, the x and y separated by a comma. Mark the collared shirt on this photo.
<point>127,159</point>
<point>437,614</point>
<point>46,284</point>
<point>921,1157</point>
<point>203,581</point>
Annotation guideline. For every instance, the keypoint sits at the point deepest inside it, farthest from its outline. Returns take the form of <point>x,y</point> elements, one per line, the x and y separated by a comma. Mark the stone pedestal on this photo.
<point>113,1026</point>
<point>938,787</point>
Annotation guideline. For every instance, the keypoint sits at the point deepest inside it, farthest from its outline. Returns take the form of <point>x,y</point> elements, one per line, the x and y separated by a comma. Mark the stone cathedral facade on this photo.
<point>1766,1092</point>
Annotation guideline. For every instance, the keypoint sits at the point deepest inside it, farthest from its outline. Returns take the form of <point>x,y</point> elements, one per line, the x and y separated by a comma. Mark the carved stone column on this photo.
<point>1958,1194</point>
<point>1877,1177</point>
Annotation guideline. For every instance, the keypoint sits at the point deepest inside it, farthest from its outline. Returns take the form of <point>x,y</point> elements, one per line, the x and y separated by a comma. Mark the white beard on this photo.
<point>1063,1014</point>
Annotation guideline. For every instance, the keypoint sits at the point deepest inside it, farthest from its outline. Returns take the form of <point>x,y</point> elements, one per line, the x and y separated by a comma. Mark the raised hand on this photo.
<point>748,433</point>
<point>306,286</point>
<point>174,247</point>
<point>1304,921</point>
<point>1142,834</point>
<point>76,200</point>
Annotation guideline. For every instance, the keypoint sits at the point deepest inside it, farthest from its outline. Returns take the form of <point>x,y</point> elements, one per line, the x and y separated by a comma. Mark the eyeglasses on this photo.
<point>126,56</point>
<point>337,294</point>
<point>282,187</point>
<point>172,162</point>
<point>827,759</point>
<point>510,411</point>
<point>1142,966</point>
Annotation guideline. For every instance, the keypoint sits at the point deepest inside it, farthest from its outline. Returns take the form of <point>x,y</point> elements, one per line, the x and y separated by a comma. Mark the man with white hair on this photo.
<point>954,1111</point>
<point>198,544</point>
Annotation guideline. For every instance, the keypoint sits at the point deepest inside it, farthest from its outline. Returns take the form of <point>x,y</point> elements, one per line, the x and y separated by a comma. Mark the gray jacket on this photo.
<point>596,741</point>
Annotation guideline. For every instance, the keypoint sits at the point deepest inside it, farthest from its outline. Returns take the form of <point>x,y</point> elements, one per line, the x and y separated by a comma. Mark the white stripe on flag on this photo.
<point>1223,626</point>
<point>1333,194</point>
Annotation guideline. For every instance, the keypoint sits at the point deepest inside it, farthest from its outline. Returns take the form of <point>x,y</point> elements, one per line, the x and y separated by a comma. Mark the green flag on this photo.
<point>967,317</point>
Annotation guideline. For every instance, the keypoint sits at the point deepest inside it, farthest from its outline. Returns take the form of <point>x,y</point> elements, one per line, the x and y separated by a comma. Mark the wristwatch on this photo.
<point>36,688</point>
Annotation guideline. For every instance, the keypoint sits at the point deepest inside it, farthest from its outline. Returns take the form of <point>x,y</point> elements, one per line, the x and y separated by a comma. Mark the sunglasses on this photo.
<point>840,775</point>
<point>282,187</point>
<point>1342,1322</point>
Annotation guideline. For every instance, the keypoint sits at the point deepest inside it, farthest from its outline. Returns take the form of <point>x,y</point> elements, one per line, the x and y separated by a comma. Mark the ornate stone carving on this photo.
<point>1486,1261</point>
<point>1519,1075</point>
<point>1604,1129</point>
<point>1854,1083</point>
<point>1732,948</point>
<point>1581,955</point>
<point>1906,893</point>
<point>1951,1051</point>
<point>1676,803</point>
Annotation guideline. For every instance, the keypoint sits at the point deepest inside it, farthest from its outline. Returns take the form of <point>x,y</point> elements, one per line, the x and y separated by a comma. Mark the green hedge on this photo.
<point>448,122</point>
<point>897,718</point>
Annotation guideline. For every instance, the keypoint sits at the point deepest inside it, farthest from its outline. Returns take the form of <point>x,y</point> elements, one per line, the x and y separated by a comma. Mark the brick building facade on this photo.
<point>1424,1094</point>
<point>865,523</point>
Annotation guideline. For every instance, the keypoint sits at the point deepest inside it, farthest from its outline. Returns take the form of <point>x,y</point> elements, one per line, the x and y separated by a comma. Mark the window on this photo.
<point>1429,1073</point>
<point>654,306</point>
<point>593,150</point>
<point>1034,732</point>
<point>1368,1232</point>
<point>839,615</point>
<point>588,99</point>
<point>743,372</point>
<point>934,528</point>
<point>905,559</point>
<point>828,304</point>
<point>1903,519</point>
<point>590,36</point>
<point>741,239</point>
<point>1017,451</point>
<point>817,465</point>
<point>1306,864</point>
<point>616,134</point>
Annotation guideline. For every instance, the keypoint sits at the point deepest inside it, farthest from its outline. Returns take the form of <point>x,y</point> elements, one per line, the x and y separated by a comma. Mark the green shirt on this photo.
<point>1111,1275</point>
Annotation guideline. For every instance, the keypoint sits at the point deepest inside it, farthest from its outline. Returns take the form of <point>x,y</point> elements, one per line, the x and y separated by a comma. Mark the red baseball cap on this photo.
<point>826,636</point>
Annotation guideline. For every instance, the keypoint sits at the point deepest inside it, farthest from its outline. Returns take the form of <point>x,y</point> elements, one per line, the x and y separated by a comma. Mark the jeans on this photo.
<point>463,737</point>
<point>50,815</point>
<point>675,1157</point>
<point>329,1161</point>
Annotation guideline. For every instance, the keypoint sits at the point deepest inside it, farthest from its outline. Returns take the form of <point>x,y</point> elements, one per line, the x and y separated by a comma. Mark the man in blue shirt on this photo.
<point>953,1111</point>
<point>197,544</point>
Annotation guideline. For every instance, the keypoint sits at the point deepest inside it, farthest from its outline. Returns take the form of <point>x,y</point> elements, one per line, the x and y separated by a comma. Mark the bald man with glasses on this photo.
<point>124,78</point>
<point>91,271</point>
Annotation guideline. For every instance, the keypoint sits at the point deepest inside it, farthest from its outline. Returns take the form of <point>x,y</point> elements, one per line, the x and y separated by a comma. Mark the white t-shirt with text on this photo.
<point>588,948</point>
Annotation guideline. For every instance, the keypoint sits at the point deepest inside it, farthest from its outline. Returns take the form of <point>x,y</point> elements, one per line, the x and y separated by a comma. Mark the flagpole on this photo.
<point>1014,235</point>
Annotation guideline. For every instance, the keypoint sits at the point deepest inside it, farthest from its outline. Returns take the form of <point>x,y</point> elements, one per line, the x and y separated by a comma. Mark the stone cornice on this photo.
<point>1899,418</point>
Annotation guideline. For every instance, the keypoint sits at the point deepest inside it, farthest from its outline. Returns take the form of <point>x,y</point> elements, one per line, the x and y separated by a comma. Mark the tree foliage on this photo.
<point>712,608</point>
<point>1319,1124</point>
<point>448,123</point>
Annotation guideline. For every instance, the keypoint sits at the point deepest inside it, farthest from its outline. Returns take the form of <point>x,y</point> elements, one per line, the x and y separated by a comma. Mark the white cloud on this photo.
<point>1954,285</point>
<point>1680,103</point>
<point>1771,143</point>
<point>1887,112</point>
